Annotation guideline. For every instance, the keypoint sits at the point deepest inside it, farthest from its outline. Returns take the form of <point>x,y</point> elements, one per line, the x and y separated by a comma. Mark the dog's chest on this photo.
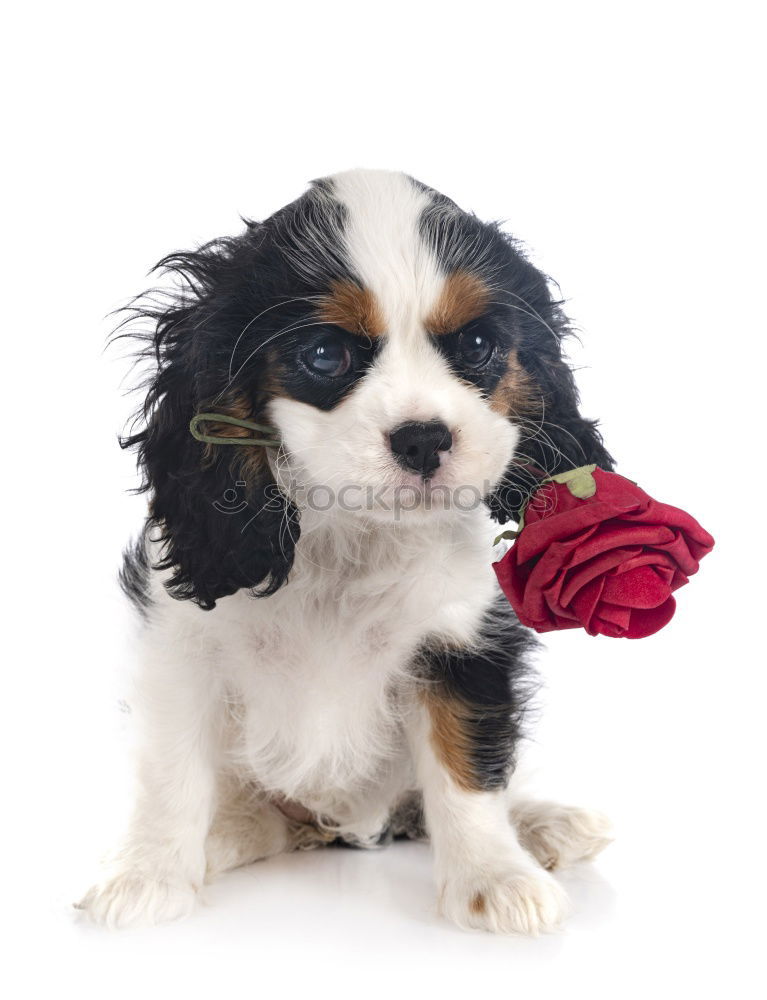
<point>323,673</point>
<point>321,697</point>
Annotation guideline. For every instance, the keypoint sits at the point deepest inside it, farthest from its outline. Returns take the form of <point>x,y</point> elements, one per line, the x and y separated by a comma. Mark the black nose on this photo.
<point>417,446</point>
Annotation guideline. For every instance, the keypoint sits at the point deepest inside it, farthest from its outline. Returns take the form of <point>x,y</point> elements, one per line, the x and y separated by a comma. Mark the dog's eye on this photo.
<point>475,349</point>
<point>329,357</point>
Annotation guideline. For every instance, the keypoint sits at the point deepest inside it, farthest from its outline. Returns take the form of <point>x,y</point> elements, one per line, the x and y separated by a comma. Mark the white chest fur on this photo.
<point>319,672</point>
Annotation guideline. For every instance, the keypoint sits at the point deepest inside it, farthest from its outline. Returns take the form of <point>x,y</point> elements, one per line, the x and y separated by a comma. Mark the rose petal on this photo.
<point>617,534</point>
<point>648,621</point>
<point>643,587</point>
<point>543,583</point>
<point>585,602</point>
<point>599,565</point>
<point>572,526</point>
<point>612,620</point>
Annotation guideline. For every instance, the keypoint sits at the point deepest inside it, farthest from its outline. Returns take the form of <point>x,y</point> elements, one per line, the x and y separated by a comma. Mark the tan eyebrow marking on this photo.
<point>464,297</point>
<point>352,308</point>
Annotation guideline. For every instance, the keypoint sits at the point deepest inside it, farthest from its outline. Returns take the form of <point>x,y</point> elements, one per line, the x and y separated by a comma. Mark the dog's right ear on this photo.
<point>223,523</point>
<point>554,436</point>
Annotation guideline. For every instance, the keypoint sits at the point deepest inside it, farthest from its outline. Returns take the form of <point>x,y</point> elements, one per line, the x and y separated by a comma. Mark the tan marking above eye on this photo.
<point>464,297</point>
<point>353,308</point>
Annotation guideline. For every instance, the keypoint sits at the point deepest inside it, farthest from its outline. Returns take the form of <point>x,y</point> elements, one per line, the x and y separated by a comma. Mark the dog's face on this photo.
<point>394,392</point>
<point>408,355</point>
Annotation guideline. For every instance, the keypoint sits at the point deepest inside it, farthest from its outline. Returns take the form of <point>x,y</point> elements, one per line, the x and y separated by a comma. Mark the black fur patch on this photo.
<point>299,382</point>
<point>408,821</point>
<point>493,682</point>
<point>494,328</point>
<point>134,575</point>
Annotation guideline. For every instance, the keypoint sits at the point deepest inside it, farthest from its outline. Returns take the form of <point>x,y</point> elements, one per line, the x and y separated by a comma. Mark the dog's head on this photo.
<point>407,354</point>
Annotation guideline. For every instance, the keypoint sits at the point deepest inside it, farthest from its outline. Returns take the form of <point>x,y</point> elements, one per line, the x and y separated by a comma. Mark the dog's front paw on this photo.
<point>132,899</point>
<point>523,900</point>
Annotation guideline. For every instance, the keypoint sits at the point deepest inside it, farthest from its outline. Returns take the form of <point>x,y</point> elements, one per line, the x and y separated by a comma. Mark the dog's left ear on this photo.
<point>554,437</point>
<point>222,522</point>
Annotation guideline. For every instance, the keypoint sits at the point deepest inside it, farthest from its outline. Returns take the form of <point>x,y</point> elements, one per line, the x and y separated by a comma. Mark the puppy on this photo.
<point>326,654</point>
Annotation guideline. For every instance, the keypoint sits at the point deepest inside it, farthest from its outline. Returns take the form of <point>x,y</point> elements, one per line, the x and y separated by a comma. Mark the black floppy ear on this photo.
<point>554,437</point>
<point>223,523</point>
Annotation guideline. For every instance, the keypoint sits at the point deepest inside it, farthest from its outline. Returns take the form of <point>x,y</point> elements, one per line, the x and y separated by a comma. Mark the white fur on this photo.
<point>384,244</point>
<point>307,695</point>
<point>485,877</point>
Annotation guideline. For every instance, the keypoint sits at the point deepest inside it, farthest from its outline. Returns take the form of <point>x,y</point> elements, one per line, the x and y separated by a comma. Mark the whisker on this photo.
<point>280,333</point>
<point>275,305</point>
<point>531,312</point>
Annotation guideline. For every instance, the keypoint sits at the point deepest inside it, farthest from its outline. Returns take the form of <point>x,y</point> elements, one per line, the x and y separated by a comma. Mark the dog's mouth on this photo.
<point>382,488</point>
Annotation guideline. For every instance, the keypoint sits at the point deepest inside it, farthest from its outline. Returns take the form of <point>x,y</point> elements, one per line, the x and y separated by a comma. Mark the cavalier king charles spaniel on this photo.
<point>326,653</point>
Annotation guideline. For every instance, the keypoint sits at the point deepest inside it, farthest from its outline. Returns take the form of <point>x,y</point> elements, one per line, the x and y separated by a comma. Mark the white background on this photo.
<point>621,143</point>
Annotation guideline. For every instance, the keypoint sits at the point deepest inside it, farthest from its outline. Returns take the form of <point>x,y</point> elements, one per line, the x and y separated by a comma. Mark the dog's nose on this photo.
<point>417,446</point>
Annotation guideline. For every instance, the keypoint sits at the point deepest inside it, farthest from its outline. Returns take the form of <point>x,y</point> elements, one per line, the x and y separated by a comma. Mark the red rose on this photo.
<point>595,551</point>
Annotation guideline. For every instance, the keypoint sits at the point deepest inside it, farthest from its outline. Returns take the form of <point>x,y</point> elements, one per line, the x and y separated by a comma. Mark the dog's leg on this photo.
<point>464,732</point>
<point>155,876</point>
<point>485,877</point>
<point>560,836</point>
<point>248,827</point>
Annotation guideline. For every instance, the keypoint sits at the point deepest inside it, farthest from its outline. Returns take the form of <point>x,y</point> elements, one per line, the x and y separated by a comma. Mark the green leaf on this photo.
<point>511,535</point>
<point>580,481</point>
